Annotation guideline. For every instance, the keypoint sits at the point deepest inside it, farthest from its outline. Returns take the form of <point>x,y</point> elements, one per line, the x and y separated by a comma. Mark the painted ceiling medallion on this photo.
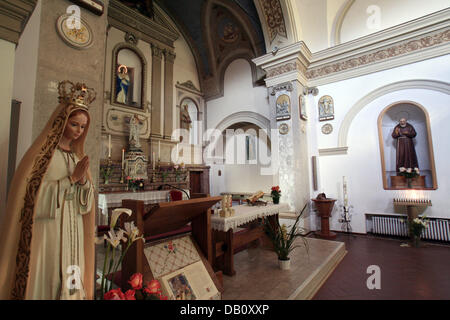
<point>327,128</point>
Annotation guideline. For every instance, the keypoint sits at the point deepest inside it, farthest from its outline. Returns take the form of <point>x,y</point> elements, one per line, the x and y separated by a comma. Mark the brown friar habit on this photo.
<point>406,153</point>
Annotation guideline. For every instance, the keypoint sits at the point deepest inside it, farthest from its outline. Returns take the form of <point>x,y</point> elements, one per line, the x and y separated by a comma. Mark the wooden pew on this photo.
<point>165,218</point>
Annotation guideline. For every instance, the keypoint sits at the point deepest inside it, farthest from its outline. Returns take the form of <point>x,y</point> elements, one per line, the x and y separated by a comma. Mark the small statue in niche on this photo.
<point>406,153</point>
<point>134,133</point>
<point>185,118</point>
<point>122,84</point>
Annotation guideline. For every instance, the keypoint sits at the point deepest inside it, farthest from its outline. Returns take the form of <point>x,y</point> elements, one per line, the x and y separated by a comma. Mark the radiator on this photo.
<point>438,229</point>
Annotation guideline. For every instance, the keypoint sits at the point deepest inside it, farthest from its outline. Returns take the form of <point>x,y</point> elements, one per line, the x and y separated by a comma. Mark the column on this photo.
<point>168,93</point>
<point>156,129</point>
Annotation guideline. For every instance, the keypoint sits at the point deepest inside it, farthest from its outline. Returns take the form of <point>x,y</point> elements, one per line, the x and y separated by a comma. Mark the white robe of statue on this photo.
<point>58,232</point>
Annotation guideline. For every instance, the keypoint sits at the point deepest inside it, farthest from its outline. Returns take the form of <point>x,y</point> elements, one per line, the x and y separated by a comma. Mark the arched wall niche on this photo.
<point>194,113</point>
<point>135,96</point>
<point>418,117</point>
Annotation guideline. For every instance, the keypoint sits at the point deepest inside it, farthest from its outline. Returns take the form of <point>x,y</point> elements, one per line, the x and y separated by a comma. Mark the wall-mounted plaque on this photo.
<point>326,108</point>
<point>327,128</point>
<point>283,107</point>
<point>283,128</point>
<point>75,32</point>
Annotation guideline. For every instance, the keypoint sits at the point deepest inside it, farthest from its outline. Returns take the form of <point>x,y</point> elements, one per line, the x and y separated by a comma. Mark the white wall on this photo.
<point>362,164</point>
<point>358,22</point>
<point>239,95</point>
<point>25,71</point>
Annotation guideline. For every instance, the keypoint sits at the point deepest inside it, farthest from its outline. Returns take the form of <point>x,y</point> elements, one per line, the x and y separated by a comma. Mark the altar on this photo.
<point>226,241</point>
<point>111,200</point>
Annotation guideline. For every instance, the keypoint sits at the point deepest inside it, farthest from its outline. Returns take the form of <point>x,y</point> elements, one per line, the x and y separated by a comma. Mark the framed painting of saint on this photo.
<point>326,108</point>
<point>283,107</point>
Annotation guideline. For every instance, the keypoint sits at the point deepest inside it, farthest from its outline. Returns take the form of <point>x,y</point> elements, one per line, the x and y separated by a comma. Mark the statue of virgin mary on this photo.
<point>47,232</point>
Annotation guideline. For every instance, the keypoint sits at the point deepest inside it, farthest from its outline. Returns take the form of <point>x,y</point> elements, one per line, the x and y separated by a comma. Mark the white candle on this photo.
<point>345,191</point>
<point>123,157</point>
<point>159,149</point>
<point>154,160</point>
<point>109,146</point>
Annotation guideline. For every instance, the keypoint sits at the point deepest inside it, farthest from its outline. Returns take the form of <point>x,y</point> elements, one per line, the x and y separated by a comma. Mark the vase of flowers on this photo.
<point>409,174</point>
<point>284,241</point>
<point>416,227</point>
<point>135,184</point>
<point>106,172</point>
<point>276,194</point>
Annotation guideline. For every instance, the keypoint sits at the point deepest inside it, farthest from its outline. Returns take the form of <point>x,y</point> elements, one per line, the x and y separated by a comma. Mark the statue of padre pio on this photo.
<point>406,153</point>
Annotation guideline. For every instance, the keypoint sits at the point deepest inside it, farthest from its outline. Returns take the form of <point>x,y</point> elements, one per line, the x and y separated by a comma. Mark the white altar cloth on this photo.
<point>245,213</point>
<point>114,200</point>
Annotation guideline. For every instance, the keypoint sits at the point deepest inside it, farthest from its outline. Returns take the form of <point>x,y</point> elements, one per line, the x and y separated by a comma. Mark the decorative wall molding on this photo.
<point>382,54</point>
<point>14,15</point>
<point>189,86</point>
<point>129,20</point>
<point>245,116</point>
<point>410,42</point>
<point>333,151</point>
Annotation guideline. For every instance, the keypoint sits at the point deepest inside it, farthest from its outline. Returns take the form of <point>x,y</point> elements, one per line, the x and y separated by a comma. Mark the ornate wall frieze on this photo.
<point>383,54</point>
<point>284,68</point>
<point>273,14</point>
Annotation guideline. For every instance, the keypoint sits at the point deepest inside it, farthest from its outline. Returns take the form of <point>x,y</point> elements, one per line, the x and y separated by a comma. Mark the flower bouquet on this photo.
<point>106,172</point>
<point>135,184</point>
<point>416,228</point>
<point>137,292</point>
<point>115,237</point>
<point>276,194</point>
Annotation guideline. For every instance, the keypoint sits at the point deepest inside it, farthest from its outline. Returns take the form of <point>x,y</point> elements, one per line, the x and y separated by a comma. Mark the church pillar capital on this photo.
<point>169,55</point>
<point>287,64</point>
<point>156,51</point>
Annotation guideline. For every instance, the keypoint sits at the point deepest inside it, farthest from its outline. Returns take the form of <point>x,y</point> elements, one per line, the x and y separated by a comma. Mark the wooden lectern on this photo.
<point>164,218</point>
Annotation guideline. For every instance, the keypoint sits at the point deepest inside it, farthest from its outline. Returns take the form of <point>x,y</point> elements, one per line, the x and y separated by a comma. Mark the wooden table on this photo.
<point>226,241</point>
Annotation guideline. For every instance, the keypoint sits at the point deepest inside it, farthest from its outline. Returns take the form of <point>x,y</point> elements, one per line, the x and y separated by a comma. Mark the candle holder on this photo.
<point>346,219</point>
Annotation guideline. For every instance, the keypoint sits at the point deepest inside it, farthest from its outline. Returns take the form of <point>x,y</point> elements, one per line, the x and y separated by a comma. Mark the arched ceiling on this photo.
<point>218,31</point>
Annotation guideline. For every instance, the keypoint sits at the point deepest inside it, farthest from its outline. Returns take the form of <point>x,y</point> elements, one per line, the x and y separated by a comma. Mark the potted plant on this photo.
<point>416,227</point>
<point>284,241</point>
<point>276,194</point>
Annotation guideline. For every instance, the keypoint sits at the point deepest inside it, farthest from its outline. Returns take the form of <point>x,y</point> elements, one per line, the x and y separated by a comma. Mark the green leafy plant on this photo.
<point>409,173</point>
<point>417,226</point>
<point>284,241</point>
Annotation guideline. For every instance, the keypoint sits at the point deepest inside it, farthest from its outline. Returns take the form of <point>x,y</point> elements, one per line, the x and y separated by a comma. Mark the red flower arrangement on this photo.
<point>151,292</point>
<point>276,194</point>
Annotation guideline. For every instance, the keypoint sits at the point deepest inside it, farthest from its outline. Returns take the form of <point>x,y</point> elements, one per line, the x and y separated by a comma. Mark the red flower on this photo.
<point>276,188</point>
<point>129,295</point>
<point>114,294</point>
<point>136,281</point>
<point>153,287</point>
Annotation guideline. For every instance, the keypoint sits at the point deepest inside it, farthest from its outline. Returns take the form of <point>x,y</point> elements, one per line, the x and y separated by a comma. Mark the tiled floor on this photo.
<point>407,273</point>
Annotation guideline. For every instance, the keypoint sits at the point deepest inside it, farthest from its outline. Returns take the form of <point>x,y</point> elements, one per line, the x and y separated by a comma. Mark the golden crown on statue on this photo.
<point>77,94</point>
